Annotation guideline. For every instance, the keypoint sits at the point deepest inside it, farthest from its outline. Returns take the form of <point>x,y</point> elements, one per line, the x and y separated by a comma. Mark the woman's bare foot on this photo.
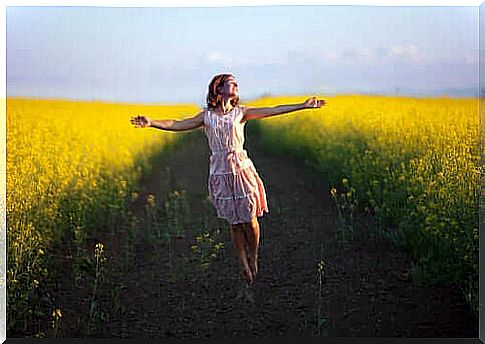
<point>248,276</point>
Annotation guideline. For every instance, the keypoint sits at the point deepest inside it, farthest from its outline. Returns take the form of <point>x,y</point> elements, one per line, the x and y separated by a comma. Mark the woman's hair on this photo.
<point>214,97</point>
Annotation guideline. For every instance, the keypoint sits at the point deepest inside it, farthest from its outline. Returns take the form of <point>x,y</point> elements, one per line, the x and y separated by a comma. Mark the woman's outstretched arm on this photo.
<point>169,124</point>
<point>262,112</point>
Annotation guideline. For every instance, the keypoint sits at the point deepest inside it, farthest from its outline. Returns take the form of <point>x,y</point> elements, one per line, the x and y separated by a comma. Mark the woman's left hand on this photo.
<point>313,102</point>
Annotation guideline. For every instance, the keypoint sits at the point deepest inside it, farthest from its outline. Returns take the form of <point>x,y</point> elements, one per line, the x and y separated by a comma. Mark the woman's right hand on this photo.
<point>141,121</point>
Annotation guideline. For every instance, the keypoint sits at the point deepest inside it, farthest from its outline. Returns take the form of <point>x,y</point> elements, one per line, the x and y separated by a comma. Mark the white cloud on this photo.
<point>366,54</point>
<point>377,55</point>
<point>216,56</point>
<point>408,53</point>
<point>392,55</point>
<point>355,55</point>
<point>330,55</point>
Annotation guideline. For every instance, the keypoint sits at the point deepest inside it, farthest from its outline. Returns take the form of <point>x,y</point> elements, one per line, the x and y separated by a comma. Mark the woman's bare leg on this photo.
<point>239,240</point>
<point>252,237</point>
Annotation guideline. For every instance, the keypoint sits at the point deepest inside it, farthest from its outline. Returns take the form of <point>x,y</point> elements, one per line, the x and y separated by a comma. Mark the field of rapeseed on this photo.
<point>71,167</point>
<point>413,162</point>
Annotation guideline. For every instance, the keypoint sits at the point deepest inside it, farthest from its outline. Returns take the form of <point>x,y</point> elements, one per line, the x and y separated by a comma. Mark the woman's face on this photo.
<point>230,88</point>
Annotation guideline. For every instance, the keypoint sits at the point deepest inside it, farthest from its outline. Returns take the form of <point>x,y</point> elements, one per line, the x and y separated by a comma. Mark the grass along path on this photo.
<point>174,273</point>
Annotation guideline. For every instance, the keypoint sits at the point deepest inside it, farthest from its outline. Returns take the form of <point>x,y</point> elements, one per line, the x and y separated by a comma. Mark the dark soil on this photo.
<point>152,289</point>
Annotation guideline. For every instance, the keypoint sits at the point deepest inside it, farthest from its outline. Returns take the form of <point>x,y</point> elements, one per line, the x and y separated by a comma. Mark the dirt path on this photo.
<point>161,294</point>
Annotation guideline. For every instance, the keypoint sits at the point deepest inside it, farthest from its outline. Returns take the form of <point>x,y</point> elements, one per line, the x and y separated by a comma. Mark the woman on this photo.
<point>235,188</point>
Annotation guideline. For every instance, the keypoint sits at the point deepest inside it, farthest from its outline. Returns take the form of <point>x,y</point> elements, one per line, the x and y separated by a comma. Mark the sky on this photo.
<point>170,54</point>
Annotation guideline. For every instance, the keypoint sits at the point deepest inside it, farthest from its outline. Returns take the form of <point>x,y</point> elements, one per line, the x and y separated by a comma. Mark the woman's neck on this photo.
<point>225,106</point>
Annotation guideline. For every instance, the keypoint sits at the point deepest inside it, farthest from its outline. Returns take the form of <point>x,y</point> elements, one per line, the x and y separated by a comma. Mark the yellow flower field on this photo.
<point>414,162</point>
<point>69,164</point>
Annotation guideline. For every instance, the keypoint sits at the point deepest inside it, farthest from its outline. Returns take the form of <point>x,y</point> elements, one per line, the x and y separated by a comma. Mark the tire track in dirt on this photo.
<point>162,295</point>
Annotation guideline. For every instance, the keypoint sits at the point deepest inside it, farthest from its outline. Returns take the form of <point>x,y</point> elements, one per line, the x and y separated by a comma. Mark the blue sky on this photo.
<point>169,55</point>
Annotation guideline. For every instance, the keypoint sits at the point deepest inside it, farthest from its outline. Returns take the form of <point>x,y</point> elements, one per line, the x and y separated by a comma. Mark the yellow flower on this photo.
<point>333,192</point>
<point>57,313</point>
<point>98,249</point>
<point>151,200</point>
<point>321,266</point>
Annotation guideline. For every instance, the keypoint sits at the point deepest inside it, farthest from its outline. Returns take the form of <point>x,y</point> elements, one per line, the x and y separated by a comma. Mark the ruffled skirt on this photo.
<point>238,197</point>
